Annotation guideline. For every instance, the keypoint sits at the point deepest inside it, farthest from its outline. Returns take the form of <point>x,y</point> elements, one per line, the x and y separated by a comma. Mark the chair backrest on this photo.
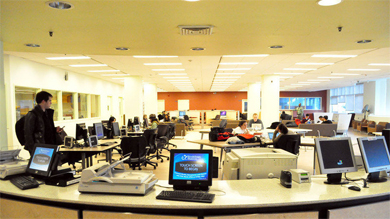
<point>288,117</point>
<point>136,145</point>
<point>162,130</point>
<point>150,137</point>
<point>172,130</point>
<point>387,126</point>
<point>289,143</point>
<point>223,123</point>
<point>186,117</point>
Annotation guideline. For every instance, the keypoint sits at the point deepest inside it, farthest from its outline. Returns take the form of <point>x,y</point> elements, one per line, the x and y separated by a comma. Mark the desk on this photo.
<point>223,145</point>
<point>204,131</point>
<point>300,131</point>
<point>85,150</point>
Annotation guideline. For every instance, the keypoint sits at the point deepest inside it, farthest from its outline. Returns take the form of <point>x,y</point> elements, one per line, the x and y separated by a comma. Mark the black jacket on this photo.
<point>34,128</point>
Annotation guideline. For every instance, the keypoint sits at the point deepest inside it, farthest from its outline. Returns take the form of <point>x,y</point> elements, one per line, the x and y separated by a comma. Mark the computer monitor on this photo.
<point>257,126</point>
<point>335,156</point>
<point>44,160</point>
<point>223,113</point>
<point>271,135</point>
<point>191,169</point>
<point>115,129</point>
<point>375,156</point>
<point>129,123</point>
<point>99,131</point>
<point>182,114</point>
<point>81,132</point>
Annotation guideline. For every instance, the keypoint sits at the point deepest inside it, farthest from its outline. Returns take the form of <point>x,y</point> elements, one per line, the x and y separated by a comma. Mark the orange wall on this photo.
<point>204,100</point>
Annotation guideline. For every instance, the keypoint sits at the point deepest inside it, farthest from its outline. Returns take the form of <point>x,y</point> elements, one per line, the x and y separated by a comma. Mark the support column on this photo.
<point>3,110</point>
<point>253,99</point>
<point>270,88</point>
<point>150,99</point>
<point>133,97</point>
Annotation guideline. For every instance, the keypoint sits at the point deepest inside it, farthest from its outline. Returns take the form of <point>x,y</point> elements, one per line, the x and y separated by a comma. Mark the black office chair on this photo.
<point>289,143</point>
<point>171,135</point>
<point>137,146</point>
<point>189,122</point>
<point>136,120</point>
<point>150,136</point>
<point>223,123</point>
<point>274,125</point>
<point>162,140</point>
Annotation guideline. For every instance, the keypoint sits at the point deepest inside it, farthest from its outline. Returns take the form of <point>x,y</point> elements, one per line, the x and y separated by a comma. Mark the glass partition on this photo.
<point>82,106</point>
<point>24,100</point>
<point>67,105</point>
<point>95,105</point>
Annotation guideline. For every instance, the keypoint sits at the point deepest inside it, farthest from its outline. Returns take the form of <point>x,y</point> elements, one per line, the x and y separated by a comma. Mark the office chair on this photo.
<point>161,139</point>
<point>289,143</point>
<point>189,122</point>
<point>150,136</point>
<point>137,146</point>
<point>171,135</point>
<point>223,123</point>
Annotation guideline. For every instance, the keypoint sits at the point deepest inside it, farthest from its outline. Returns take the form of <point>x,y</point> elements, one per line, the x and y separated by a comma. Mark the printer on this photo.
<point>257,163</point>
<point>105,178</point>
<point>10,164</point>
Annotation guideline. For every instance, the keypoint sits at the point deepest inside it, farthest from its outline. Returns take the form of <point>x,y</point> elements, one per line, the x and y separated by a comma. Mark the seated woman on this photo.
<point>282,130</point>
<point>166,118</point>
<point>153,121</point>
<point>110,121</point>
<point>242,128</point>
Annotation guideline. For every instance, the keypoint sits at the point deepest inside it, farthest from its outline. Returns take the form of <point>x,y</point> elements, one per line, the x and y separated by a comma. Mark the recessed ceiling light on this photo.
<point>32,45</point>
<point>238,63</point>
<point>68,58</point>
<point>343,74</point>
<point>172,74</point>
<point>328,2</point>
<point>380,64</point>
<point>258,55</point>
<point>191,0</point>
<point>59,5</point>
<point>233,69</point>
<point>362,69</point>
<point>333,56</point>
<point>300,69</point>
<point>276,47</point>
<point>104,70</point>
<point>149,57</point>
<point>114,74</point>
<point>288,73</point>
<point>122,48</point>
<point>330,77</point>
<point>363,41</point>
<point>197,49</point>
<point>89,65</point>
<point>313,63</point>
<point>162,64</point>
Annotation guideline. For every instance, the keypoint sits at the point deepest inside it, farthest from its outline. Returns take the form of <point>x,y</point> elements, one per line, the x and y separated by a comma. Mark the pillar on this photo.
<point>3,107</point>
<point>133,97</point>
<point>253,99</point>
<point>150,99</point>
<point>270,88</point>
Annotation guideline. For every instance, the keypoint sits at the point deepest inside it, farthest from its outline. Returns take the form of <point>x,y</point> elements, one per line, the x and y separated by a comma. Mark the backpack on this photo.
<point>214,133</point>
<point>19,129</point>
<point>247,138</point>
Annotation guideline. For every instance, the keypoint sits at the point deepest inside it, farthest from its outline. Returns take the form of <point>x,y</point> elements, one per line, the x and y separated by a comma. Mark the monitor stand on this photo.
<point>335,178</point>
<point>374,177</point>
<point>198,188</point>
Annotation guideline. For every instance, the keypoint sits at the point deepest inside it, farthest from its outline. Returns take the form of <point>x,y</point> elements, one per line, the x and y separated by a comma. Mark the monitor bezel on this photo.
<point>53,159</point>
<point>94,126</point>
<point>364,157</point>
<point>334,170</point>
<point>191,184</point>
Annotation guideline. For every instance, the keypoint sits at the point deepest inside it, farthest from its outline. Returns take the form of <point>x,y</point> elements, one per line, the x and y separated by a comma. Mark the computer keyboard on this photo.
<point>191,196</point>
<point>24,182</point>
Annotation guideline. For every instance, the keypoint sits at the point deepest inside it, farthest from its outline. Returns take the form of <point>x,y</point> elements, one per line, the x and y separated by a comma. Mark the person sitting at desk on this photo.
<point>255,120</point>
<point>282,130</point>
<point>166,118</point>
<point>242,128</point>
<point>283,116</point>
<point>306,120</point>
<point>326,121</point>
<point>153,121</point>
<point>110,121</point>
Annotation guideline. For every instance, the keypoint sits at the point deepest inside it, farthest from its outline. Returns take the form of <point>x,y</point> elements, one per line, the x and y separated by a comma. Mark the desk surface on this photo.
<point>94,149</point>
<point>221,144</point>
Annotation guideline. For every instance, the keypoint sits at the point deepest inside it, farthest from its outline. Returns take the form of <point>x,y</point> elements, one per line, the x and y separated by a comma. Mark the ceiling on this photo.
<point>246,27</point>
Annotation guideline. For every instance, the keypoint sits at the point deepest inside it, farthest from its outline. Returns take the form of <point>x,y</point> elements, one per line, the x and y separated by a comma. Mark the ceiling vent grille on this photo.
<point>196,30</point>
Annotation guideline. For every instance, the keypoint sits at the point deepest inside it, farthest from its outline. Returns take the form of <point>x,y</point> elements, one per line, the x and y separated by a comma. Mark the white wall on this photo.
<point>369,96</point>
<point>3,111</point>
<point>26,73</point>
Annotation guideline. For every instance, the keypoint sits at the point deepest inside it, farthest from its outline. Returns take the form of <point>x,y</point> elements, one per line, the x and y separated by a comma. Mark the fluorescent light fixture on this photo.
<point>221,77</point>
<point>177,69</point>
<point>68,58</point>
<point>162,64</point>
<point>313,63</point>
<point>258,55</point>
<point>380,64</point>
<point>233,69</point>
<point>328,2</point>
<point>89,65</point>
<point>331,77</point>
<point>191,0</point>
<point>114,74</point>
<point>288,73</point>
<point>318,79</point>
<point>362,69</point>
<point>308,82</point>
<point>333,56</point>
<point>343,74</point>
<point>300,69</point>
<point>238,63</point>
<point>172,74</point>
<point>104,70</point>
<point>175,77</point>
<point>230,73</point>
<point>149,57</point>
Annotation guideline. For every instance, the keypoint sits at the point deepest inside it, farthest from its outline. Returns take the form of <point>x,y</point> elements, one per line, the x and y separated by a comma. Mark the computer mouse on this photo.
<point>355,188</point>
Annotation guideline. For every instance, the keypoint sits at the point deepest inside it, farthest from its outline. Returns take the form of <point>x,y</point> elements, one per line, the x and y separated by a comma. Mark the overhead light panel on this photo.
<point>287,73</point>
<point>362,69</point>
<point>328,2</point>
<point>149,57</point>
<point>114,74</point>
<point>343,74</point>
<point>68,58</point>
<point>380,64</point>
<point>258,55</point>
<point>89,65</point>
<point>313,63</point>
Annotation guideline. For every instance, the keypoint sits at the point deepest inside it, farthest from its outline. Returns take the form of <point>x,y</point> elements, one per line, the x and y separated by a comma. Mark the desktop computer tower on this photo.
<point>386,134</point>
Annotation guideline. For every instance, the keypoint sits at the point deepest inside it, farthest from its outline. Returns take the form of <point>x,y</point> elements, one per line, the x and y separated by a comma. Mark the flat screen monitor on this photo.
<point>182,113</point>
<point>271,135</point>
<point>257,126</point>
<point>115,129</point>
<point>375,156</point>
<point>223,113</point>
<point>81,132</point>
<point>43,160</point>
<point>335,156</point>
<point>99,130</point>
<point>191,169</point>
<point>129,123</point>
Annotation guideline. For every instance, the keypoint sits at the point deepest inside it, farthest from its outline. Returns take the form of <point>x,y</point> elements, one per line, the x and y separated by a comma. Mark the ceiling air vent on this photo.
<point>196,30</point>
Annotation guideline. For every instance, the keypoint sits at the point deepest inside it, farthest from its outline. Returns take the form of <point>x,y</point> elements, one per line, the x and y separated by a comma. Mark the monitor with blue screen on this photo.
<point>271,135</point>
<point>223,113</point>
<point>182,113</point>
<point>191,169</point>
<point>43,160</point>
<point>99,130</point>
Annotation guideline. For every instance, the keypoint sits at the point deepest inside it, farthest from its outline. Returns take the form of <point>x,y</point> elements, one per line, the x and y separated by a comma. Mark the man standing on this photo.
<point>299,110</point>
<point>255,120</point>
<point>39,124</point>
